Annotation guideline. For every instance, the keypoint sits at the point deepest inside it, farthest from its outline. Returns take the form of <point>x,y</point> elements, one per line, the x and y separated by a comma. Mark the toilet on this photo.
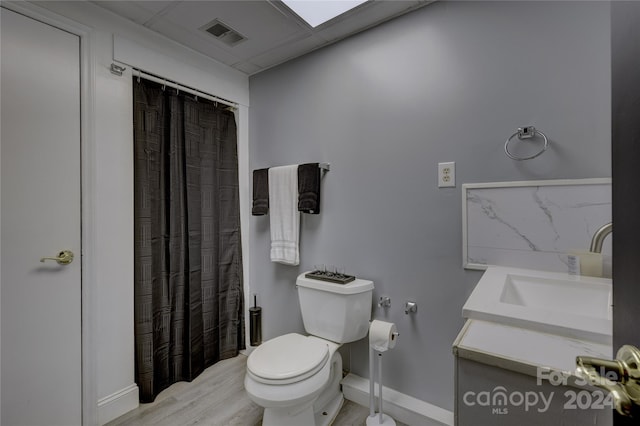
<point>295,377</point>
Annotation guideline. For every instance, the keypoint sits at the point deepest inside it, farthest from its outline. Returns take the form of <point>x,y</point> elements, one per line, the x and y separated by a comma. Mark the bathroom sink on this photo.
<point>550,302</point>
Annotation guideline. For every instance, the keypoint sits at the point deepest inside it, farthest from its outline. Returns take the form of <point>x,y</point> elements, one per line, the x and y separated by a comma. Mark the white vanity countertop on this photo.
<point>577,307</point>
<point>522,350</point>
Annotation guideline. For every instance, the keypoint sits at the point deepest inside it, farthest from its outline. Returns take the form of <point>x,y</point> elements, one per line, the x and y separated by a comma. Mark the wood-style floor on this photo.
<point>216,397</point>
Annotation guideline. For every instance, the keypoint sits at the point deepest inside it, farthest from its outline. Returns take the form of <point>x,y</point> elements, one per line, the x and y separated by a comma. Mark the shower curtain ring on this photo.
<point>139,76</point>
<point>164,84</point>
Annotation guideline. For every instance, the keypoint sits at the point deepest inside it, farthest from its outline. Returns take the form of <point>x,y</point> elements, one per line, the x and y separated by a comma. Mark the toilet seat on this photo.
<point>287,359</point>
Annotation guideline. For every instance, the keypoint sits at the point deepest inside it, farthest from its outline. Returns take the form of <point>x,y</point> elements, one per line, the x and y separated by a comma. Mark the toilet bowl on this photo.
<point>295,377</point>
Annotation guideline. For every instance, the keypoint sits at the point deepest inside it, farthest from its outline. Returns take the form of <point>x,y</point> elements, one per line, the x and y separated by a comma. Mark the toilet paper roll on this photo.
<point>382,335</point>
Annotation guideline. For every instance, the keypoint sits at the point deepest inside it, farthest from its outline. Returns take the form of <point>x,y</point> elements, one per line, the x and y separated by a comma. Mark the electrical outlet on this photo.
<point>446,174</point>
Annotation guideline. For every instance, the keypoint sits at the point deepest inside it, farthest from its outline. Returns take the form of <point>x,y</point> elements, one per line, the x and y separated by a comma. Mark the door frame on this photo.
<point>87,190</point>
<point>625,91</point>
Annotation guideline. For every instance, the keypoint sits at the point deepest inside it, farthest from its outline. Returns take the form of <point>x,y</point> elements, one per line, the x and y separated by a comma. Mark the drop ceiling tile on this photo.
<point>198,42</point>
<point>247,67</point>
<point>129,10</point>
<point>263,25</point>
<point>288,51</point>
<point>155,6</point>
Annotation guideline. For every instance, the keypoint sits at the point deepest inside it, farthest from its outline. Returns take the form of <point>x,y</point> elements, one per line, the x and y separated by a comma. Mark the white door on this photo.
<point>40,201</point>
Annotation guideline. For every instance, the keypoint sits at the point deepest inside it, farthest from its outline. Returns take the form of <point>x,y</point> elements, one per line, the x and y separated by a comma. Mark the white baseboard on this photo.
<point>118,403</point>
<point>401,407</point>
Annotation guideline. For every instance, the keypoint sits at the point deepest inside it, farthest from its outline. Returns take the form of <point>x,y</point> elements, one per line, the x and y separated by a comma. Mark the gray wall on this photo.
<point>449,82</point>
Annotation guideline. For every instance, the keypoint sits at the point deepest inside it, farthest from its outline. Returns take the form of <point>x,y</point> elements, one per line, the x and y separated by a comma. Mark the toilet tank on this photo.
<point>336,312</point>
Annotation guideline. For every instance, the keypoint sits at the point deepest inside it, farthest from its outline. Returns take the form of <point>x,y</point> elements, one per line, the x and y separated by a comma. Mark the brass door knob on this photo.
<point>621,377</point>
<point>65,257</point>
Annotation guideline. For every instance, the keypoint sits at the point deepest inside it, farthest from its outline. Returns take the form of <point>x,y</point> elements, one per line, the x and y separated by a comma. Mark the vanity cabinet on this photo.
<point>510,376</point>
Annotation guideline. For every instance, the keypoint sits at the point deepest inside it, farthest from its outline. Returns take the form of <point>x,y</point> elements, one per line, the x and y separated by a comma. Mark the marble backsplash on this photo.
<point>533,224</point>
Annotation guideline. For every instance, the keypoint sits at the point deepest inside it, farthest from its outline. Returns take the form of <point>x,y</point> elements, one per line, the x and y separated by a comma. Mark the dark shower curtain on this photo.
<point>188,261</point>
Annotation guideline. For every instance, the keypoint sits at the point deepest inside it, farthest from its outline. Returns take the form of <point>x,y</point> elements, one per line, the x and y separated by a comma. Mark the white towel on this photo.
<point>284,216</point>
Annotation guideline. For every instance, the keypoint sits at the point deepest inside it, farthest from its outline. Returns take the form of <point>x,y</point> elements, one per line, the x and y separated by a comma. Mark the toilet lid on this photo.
<point>287,357</point>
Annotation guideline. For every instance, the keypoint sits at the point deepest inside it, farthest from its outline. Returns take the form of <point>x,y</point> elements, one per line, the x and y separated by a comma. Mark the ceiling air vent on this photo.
<point>223,33</point>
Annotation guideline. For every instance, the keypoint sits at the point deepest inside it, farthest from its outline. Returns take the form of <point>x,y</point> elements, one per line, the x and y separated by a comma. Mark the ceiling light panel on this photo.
<point>317,12</point>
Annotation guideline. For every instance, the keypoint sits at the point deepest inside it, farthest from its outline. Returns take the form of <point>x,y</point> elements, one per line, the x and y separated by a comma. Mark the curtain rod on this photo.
<point>141,74</point>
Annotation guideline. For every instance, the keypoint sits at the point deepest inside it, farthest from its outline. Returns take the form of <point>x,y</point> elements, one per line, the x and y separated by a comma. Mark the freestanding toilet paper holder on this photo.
<point>380,419</point>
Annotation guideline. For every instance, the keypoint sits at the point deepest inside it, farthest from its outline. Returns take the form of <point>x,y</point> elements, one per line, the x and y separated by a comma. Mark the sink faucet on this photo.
<point>599,236</point>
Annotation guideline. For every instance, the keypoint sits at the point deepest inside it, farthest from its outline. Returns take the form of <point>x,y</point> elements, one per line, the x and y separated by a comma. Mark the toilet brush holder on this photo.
<point>255,324</point>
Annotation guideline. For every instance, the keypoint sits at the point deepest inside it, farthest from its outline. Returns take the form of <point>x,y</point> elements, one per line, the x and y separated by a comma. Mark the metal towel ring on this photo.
<point>526,133</point>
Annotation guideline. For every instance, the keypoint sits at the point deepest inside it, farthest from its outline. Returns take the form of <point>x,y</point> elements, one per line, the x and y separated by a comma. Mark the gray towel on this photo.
<point>309,188</point>
<point>260,192</point>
